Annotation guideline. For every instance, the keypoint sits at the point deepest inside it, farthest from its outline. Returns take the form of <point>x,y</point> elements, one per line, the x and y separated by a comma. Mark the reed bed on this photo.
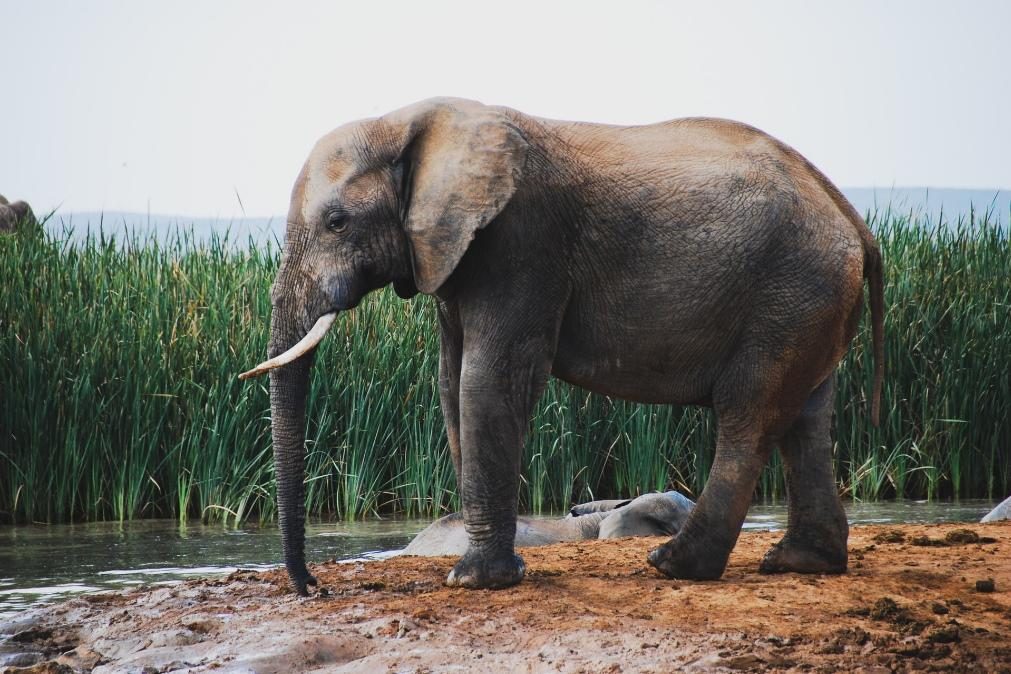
<point>118,363</point>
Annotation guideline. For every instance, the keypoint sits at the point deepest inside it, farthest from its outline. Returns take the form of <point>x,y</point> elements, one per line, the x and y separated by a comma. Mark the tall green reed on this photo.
<point>118,363</point>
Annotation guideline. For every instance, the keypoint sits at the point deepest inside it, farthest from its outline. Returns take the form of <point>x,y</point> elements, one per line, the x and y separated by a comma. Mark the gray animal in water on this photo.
<point>1001,512</point>
<point>12,215</point>
<point>648,515</point>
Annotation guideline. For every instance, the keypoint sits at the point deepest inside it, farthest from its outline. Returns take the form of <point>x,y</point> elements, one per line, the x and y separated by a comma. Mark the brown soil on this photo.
<point>909,603</point>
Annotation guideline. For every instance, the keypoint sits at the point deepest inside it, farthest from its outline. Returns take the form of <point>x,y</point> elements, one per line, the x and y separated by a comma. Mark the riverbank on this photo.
<point>911,601</point>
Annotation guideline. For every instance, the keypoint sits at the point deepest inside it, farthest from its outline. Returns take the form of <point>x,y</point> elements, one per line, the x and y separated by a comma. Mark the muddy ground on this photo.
<point>917,598</point>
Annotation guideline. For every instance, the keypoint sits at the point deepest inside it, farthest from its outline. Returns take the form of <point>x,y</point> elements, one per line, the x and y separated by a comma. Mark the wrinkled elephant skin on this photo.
<point>696,261</point>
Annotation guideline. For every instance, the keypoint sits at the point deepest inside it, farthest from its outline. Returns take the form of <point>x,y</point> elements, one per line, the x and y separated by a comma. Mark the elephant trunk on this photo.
<point>288,390</point>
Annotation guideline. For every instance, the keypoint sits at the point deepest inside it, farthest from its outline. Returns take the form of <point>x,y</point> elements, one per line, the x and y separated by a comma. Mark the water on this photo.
<point>770,517</point>
<point>45,564</point>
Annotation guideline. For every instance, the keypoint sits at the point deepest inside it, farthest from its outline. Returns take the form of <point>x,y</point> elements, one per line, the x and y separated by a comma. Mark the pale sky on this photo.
<point>176,106</point>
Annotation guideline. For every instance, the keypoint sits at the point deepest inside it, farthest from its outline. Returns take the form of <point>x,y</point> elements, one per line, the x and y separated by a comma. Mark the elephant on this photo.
<point>696,261</point>
<point>647,515</point>
<point>14,214</point>
<point>1001,512</point>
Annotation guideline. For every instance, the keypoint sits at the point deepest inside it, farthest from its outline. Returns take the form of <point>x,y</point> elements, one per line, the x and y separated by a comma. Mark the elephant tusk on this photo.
<point>306,344</point>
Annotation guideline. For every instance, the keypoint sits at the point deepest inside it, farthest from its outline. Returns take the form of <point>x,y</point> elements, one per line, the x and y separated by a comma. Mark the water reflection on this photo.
<point>43,564</point>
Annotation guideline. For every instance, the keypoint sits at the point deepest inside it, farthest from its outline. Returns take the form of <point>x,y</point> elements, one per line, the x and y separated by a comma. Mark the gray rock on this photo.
<point>183,637</point>
<point>20,659</point>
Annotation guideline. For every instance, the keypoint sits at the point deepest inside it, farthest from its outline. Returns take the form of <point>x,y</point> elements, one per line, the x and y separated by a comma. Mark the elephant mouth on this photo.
<point>304,345</point>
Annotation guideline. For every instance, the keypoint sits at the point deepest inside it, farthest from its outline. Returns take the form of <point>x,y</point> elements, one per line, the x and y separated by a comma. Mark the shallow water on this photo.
<point>45,564</point>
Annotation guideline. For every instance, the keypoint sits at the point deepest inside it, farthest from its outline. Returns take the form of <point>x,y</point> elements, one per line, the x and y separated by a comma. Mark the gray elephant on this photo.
<point>15,214</point>
<point>1001,512</point>
<point>696,261</point>
<point>647,515</point>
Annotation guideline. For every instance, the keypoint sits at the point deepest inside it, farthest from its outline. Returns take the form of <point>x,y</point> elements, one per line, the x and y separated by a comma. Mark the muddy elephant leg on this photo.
<point>450,354</point>
<point>816,533</point>
<point>701,549</point>
<point>497,395</point>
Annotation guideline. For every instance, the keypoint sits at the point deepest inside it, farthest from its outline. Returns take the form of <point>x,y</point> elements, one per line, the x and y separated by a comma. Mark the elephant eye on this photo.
<point>337,220</point>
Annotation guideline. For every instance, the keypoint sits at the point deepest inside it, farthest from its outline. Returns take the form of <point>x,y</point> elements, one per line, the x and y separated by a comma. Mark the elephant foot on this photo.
<point>791,556</point>
<point>300,581</point>
<point>676,560</point>
<point>481,571</point>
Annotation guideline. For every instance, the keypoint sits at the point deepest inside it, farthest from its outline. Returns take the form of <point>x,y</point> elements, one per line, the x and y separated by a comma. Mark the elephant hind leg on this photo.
<point>816,534</point>
<point>756,401</point>
<point>701,549</point>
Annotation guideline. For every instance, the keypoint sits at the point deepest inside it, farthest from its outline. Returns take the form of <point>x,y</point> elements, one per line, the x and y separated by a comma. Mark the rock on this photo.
<point>1001,512</point>
<point>200,625</point>
<point>19,624</point>
<point>175,638</point>
<point>48,667</point>
<point>748,661</point>
<point>986,585</point>
<point>120,647</point>
<point>32,634</point>
<point>19,659</point>
<point>81,658</point>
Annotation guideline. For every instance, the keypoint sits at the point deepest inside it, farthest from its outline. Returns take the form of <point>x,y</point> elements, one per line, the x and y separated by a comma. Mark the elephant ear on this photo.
<point>464,163</point>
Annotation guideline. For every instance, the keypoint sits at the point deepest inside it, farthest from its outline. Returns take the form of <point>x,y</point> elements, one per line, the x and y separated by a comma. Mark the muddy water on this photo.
<point>44,564</point>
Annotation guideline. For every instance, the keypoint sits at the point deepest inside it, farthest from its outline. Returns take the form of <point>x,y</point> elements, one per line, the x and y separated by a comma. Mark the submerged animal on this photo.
<point>689,262</point>
<point>647,515</point>
<point>1001,512</point>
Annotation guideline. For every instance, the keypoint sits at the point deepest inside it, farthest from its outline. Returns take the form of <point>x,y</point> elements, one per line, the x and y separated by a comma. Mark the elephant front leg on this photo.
<point>450,355</point>
<point>495,406</point>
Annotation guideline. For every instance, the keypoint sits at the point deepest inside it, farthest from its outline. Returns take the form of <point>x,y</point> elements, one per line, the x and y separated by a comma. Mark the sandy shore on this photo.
<point>909,603</point>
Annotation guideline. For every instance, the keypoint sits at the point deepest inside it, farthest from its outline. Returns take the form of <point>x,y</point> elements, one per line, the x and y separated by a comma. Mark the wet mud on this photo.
<point>916,598</point>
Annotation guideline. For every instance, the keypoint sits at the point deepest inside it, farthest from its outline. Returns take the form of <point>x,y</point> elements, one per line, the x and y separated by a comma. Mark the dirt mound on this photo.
<point>592,606</point>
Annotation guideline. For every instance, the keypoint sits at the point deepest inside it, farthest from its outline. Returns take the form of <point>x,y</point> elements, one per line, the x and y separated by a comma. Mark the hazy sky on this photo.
<point>176,106</point>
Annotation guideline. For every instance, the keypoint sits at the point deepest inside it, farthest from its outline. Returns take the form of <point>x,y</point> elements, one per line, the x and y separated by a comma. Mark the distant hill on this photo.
<point>931,202</point>
<point>145,226</point>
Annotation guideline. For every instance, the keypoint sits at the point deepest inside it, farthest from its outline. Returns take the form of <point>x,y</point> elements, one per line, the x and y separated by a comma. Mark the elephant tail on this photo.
<point>874,275</point>
<point>875,284</point>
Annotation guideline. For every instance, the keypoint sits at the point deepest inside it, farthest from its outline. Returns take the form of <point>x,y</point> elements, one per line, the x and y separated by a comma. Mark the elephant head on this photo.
<point>13,215</point>
<point>395,199</point>
<point>648,515</point>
